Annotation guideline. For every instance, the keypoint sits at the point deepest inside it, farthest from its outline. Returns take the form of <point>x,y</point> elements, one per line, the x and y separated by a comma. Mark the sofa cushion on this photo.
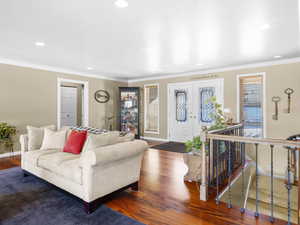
<point>75,142</point>
<point>32,157</point>
<point>63,164</point>
<point>97,140</point>
<point>54,139</point>
<point>36,135</point>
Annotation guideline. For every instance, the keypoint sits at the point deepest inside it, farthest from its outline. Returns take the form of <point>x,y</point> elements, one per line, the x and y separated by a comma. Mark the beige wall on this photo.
<point>278,78</point>
<point>29,97</point>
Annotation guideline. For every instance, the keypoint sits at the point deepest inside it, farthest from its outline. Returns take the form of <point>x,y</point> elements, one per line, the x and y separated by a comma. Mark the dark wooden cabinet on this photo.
<point>130,110</point>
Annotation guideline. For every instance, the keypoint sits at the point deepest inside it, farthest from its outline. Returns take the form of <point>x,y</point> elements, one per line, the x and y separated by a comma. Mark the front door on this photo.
<point>203,108</point>
<point>190,108</point>
<point>180,112</point>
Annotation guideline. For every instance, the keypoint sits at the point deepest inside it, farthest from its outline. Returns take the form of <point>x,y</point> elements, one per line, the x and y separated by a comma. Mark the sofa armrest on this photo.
<point>24,142</point>
<point>112,153</point>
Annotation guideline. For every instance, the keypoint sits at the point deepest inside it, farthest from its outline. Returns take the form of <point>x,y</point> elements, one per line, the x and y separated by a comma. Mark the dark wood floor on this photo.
<point>165,199</point>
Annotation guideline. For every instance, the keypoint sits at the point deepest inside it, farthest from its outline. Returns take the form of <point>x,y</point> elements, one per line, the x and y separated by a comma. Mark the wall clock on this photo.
<point>102,96</point>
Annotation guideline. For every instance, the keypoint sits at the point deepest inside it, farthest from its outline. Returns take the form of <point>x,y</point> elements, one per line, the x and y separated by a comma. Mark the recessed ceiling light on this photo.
<point>265,26</point>
<point>200,64</point>
<point>121,3</point>
<point>277,56</point>
<point>39,44</point>
<point>90,68</point>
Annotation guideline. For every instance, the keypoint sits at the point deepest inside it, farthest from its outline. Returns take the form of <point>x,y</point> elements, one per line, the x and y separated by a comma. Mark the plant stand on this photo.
<point>193,160</point>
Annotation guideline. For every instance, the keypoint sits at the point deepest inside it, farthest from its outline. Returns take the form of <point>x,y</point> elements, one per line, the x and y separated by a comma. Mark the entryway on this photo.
<point>189,107</point>
<point>72,103</point>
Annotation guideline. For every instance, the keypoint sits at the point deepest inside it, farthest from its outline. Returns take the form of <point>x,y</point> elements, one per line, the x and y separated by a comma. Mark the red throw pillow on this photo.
<point>75,142</point>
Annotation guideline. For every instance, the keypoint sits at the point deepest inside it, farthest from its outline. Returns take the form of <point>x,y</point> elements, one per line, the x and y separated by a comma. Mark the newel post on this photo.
<point>203,186</point>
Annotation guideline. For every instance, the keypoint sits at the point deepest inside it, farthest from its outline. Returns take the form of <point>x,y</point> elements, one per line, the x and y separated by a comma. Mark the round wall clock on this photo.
<point>102,96</point>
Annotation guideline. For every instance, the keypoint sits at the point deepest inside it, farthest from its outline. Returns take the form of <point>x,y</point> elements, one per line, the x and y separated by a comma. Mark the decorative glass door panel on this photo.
<point>206,107</point>
<point>181,105</point>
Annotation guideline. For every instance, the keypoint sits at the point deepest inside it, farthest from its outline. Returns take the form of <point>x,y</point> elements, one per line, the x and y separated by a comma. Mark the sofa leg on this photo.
<point>25,174</point>
<point>135,186</point>
<point>88,207</point>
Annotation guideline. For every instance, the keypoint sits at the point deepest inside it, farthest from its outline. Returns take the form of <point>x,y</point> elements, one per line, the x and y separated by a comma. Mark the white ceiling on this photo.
<point>148,38</point>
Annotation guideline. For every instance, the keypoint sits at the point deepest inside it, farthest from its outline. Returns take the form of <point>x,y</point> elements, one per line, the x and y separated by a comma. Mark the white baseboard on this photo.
<point>9,154</point>
<point>154,139</point>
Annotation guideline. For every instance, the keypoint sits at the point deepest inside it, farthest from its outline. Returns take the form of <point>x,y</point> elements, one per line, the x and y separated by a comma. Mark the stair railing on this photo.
<point>214,139</point>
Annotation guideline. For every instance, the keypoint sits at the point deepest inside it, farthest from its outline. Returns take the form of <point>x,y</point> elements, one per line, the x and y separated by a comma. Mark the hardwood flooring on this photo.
<point>165,199</point>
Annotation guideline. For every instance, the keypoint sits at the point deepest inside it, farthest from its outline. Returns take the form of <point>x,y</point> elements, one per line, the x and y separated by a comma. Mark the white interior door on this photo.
<point>190,108</point>
<point>68,106</point>
<point>180,112</point>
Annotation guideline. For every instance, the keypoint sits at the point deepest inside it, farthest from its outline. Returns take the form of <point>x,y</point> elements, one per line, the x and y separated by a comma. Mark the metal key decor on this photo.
<point>276,100</point>
<point>289,92</point>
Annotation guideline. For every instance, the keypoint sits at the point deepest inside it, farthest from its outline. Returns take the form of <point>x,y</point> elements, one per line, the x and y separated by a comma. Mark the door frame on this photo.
<point>238,101</point>
<point>189,83</point>
<point>85,103</point>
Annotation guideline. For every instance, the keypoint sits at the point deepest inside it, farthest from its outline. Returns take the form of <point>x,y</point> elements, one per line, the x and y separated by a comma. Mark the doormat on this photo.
<point>171,147</point>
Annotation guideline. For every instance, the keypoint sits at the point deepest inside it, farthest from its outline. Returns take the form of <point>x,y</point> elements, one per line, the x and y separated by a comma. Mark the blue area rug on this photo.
<point>32,201</point>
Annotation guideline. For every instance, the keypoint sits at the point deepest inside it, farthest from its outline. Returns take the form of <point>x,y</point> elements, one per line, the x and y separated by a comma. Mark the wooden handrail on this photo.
<point>250,140</point>
<point>232,127</point>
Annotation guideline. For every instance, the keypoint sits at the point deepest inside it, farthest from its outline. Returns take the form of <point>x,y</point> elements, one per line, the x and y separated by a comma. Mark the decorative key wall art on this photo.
<point>276,100</point>
<point>289,92</point>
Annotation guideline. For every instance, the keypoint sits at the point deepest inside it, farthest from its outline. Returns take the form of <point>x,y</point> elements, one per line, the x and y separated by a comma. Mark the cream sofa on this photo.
<point>90,176</point>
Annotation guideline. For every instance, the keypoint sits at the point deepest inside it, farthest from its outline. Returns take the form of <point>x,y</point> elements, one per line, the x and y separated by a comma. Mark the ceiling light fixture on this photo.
<point>200,64</point>
<point>121,3</point>
<point>266,26</point>
<point>277,56</point>
<point>90,68</point>
<point>39,44</point>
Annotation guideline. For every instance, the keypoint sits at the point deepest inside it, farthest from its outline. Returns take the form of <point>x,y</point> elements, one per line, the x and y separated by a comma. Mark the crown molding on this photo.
<point>153,77</point>
<point>218,70</point>
<point>58,70</point>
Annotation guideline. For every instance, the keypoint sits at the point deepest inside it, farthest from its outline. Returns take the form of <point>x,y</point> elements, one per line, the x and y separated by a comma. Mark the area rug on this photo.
<point>32,201</point>
<point>171,147</point>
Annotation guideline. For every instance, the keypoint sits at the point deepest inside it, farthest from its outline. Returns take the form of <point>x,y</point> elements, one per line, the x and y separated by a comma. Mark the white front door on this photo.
<point>68,106</point>
<point>202,92</point>
<point>190,108</point>
<point>181,113</point>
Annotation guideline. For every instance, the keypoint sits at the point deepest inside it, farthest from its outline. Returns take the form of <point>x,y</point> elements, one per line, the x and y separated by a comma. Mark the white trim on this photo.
<point>263,74</point>
<point>85,99</point>
<point>218,70</point>
<point>9,154</point>
<point>154,139</point>
<point>62,70</point>
<point>169,85</point>
<point>145,110</point>
<point>151,76</point>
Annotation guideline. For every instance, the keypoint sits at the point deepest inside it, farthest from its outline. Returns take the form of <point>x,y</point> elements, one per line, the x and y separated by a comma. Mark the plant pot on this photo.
<point>193,160</point>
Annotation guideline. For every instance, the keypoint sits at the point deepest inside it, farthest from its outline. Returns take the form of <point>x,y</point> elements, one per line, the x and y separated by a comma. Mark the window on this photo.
<point>151,93</point>
<point>251,105</point>
<point>181,110</point>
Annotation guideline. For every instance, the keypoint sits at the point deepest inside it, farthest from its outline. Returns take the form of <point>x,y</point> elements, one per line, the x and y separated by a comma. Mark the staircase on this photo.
<point>280,198</point>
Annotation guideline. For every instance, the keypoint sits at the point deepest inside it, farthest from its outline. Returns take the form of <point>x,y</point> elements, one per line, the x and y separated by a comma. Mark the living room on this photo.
<point>132,112</point>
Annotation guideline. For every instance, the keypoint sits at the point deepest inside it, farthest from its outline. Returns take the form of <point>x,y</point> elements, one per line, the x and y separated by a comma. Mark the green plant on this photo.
<point>6,134</point>
<point>218,115</point>
<point>194,144</point>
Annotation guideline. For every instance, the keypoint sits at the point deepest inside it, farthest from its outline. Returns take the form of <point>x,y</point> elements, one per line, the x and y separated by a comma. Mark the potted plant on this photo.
<point>193,157</point>
<point>6,135</point>
<point>218,116</point>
